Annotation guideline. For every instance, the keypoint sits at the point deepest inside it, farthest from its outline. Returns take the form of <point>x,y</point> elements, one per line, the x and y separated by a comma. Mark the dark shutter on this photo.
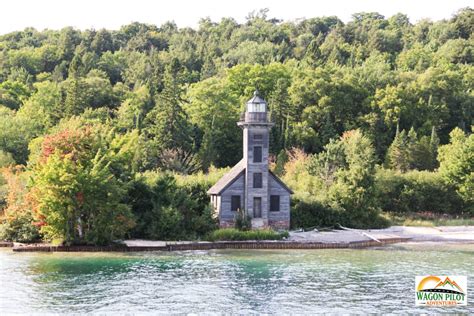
<point>235,203</point>
<point>257,154</point>
<point>257,180</point>
<point>274,203</point>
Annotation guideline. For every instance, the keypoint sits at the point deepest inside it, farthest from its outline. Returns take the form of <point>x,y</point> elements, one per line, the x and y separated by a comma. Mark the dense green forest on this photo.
<point>106,134</point>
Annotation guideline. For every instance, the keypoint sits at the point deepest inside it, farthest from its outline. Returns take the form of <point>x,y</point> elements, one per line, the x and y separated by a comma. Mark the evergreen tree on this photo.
<point>76,97</point>
<point>279,107</point>
<point>397,154</point>
<point>76,67</point>
<point>422,152</point>
<point>414,153</point>
<point>434,143</point>
<point>168,125</point>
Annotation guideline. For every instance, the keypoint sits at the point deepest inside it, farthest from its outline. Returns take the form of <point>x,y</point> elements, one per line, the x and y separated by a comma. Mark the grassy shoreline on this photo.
<point>427,220</point>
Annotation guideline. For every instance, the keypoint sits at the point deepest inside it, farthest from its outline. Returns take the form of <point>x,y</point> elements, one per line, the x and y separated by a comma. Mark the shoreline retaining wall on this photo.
<point>212,245</point>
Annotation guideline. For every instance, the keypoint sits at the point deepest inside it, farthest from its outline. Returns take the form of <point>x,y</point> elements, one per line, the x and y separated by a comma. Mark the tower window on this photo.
<point>256,107</point>
<point>257,180</point>
<point>235,203</point>
<point>257,136</point>
<point>274,203</point>
<point>257,154</point>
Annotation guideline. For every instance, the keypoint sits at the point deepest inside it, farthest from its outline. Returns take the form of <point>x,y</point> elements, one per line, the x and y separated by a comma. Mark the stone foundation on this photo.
<point>273,224</point>
<point>259,223</point>
<point>226,224</point>
<point>279,224</point>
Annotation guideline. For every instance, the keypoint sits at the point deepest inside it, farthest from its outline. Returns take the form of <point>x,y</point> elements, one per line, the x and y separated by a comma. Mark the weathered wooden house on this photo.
<point>250,185</point>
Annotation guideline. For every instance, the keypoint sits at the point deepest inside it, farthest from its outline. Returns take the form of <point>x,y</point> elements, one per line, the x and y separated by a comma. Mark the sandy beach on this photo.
<point>416,234</point>
<point>463,234</point>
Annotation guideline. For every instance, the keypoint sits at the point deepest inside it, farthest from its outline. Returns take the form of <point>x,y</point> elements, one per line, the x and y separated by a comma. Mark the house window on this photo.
<point>257,136</point>
<point>235,203</point>
<point>257,154</point>
<point>274,203</point>
<point>257,180</point>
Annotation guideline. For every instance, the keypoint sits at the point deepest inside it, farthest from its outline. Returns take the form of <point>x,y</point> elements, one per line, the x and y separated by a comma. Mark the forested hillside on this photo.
<point>100,104</point>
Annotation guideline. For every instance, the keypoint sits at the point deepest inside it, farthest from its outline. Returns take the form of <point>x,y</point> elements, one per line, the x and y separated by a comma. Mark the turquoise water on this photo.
<point>229,281</point>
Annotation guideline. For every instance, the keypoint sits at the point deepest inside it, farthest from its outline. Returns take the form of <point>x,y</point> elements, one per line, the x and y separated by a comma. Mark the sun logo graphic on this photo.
<point>434,290</point>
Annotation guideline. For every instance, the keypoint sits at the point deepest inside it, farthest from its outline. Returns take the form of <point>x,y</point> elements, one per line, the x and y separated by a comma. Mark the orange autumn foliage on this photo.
<point>19,201</point>
<point>71,143</point>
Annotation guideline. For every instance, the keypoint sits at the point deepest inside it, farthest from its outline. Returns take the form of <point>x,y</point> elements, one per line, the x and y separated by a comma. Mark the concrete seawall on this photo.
<point>183,246</point>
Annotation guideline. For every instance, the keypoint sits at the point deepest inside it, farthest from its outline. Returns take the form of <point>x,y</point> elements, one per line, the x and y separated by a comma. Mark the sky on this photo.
<point>111,14</point>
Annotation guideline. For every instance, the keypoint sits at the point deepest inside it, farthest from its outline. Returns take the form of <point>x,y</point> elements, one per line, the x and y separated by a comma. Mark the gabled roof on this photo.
<point>281,182</point>
<point>233,174</point>
<point>228,178</point>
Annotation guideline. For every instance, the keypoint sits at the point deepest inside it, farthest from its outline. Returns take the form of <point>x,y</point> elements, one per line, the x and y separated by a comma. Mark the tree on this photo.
<point>78,198</point>
<point>44,107</point>
<point>98,90</point>
<point>13,94</point>
<point>177,93</point>
<point>215,110</point>
<point>397,154</point>
<point>423,151</point>
<point>463,22</point>
<point>134,108</point>
<point>434,144</point>
<point>102,42</point>
<point>354,189</point>
<point>456,161</point>
<point>281,112</point>
<point>414,153</point>
<point>17,218</point>
<point>16,132</point>
<point>76,97</point>
<point>167,122</point>
<point>345,171</point>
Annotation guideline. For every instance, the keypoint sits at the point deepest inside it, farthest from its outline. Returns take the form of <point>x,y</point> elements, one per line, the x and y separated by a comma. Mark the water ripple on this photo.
<point>228,281</point>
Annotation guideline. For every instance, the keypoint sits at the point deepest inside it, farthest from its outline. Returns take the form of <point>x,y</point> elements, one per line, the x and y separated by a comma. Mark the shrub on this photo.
<point>243,220</point>
<point>170,207</point>
<point>230,234</point>
<point>307,214</point>
<point>20,229</point>
<point>310,213</point>
<point>416,191</point>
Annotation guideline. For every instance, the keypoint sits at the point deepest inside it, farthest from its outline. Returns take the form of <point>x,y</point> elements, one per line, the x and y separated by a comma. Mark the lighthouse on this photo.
<point>250,185</point>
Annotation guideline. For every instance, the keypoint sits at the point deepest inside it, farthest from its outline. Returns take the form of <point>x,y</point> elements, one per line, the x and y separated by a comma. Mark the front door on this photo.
<point>257,207</point>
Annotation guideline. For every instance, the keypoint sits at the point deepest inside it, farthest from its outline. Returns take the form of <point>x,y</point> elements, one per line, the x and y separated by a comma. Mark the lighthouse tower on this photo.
<point>256,124</point>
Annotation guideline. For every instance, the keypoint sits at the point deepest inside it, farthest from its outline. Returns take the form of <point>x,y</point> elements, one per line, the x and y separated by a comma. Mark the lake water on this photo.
<point>229,281</point>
